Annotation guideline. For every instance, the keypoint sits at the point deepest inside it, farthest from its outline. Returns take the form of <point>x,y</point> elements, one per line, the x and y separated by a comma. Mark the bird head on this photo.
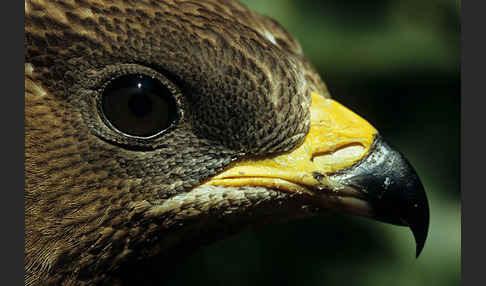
<point>154,127</point>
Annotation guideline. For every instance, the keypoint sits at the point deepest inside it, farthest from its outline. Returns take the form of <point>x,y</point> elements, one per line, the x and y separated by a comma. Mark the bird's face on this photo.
<point>151,125</point>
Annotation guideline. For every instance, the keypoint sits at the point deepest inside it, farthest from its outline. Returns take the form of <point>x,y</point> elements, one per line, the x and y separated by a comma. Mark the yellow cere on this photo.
<point>337,139</point>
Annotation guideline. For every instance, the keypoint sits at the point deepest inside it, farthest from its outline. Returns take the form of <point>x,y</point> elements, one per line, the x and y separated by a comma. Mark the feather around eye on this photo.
<point>121,113</point>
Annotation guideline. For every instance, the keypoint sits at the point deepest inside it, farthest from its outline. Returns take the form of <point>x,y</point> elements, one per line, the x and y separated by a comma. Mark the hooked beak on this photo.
<point>392,189</point>
<point>345,165</point>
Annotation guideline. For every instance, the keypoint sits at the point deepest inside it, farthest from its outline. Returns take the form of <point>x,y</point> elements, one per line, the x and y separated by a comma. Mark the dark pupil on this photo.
<point>138,105</point>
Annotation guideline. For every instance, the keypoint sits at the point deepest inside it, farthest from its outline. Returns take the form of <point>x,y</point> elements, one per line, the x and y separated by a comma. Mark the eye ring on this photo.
<point>125,103</point>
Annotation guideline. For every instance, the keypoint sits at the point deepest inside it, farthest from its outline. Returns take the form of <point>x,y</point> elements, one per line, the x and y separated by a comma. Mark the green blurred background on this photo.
<point>397,64</point>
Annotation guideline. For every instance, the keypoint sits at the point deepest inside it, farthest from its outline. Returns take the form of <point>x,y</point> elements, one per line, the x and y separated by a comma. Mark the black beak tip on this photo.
<point>420,234</point>
<point>418,221</point>
<point>394,190</point>
<point>412,205</point>
<point>413,213</point>
<point>420,241</point>
<point>408,205</point>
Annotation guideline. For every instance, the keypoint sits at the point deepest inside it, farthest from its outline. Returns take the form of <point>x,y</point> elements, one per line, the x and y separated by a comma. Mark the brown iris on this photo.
<point>138,105</point>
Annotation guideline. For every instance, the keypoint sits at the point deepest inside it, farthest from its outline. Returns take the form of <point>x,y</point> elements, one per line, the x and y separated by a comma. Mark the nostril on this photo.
<point>343,155</point>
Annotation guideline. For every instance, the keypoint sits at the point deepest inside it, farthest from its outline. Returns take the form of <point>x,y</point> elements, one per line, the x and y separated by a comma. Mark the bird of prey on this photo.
<point>153,127</point>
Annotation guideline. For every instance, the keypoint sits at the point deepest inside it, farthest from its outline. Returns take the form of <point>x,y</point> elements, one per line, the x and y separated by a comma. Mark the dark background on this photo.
<point>397,64</point>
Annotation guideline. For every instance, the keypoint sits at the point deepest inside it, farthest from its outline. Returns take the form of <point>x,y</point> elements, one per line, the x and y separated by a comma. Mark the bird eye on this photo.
<point>138,105</point>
